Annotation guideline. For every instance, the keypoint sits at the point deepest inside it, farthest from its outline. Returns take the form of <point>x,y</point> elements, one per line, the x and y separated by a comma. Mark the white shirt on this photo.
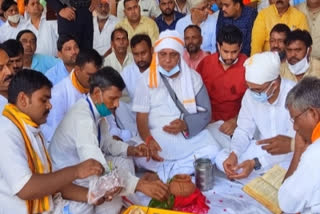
<point>148,8</point>
<point>9,32</point>
<point>3,102</point>
<point>47,35</point>
<point>185,9</point>
<point>111,60</point>
<point>300,193</point>
<point>16,173</point>
<point>269,120</point>
<point>76,140</point>
<point>131,75</point>
<point>102,40</point>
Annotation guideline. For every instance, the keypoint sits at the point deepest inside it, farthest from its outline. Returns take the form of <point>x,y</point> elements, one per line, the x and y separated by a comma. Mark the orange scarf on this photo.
<point>315,133</point>
<point>77,84</point>
<point>36,166</point>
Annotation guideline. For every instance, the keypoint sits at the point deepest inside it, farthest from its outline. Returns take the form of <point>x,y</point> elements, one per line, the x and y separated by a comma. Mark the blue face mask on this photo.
<point>173,71</point>
<point>262,96</point>
<point>103,110</point>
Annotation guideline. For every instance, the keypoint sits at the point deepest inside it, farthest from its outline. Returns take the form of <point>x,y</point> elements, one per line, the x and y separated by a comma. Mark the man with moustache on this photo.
<point>278,35</point>
<point>168,17</point>
<point>15,52</point>
<point>280,12</point>
<point>193,40</point>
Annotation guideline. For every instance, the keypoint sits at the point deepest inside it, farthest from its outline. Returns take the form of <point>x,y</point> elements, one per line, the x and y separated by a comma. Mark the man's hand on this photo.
<point>175,127</point>
<point>68,13</point>
<point>154,189</point>
<point>94,4</point>
<point>88,168</point>
<point>229,126</point>
<point>154,148</point>
<point>276,145</point>
<point>141,150</point>
<point>245,168</point>
<point>229,164</point>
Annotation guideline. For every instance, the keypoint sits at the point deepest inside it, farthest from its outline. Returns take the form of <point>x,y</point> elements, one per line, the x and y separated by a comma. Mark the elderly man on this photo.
<point>278,36</point>
<point>200,16</point>
<point>299,63</point>
<point>262,117</point>
<point>303,102</point>
<point>193,40</point>
<point>103,25</point>
<point>168,89</point>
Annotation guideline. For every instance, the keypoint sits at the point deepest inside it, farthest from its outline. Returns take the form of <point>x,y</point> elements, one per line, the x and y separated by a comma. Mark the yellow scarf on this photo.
<point>77,84</point>
<point>19,119</point>
<point>315,133</point>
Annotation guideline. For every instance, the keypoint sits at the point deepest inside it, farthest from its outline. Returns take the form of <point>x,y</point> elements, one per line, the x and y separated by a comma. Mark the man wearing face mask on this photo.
<point>263,119</point>
<point>299,63</point>
<point>173,109</point>
<point>14,24</point>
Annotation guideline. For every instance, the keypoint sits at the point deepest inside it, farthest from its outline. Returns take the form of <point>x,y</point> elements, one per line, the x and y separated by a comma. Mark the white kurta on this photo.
<point>8,32</point>
<point>102,40</point>
<point>3,102</point>
<point>177,151</point>
<point>300,193</point>
<point>131,75</point>
<point>148,8</point>
<point>76,140</point>
<point>16,173</point>
<point>264,120</point>
<point>111,60</point>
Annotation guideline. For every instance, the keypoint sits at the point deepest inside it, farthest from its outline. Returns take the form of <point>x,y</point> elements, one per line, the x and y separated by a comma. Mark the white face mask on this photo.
<point>14,19</point>
<point>300,67</point>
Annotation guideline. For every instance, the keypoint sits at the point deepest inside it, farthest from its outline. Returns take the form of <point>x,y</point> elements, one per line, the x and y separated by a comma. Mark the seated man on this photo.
<point>224,76</point>
<point>14,50</point>
<point>303,102</point>
<point>159,119</point>
<point>262,117</point>
<point>278,36</point>
<point>83,135</point>
<point>28,181</point>
<point>299,63</point>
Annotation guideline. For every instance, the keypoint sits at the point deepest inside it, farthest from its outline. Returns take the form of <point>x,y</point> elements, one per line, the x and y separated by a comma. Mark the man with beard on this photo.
<point>14,50</point>
<point>68,51</point>
<point>120,57</point>
<point>103,25</point>
<point>299,63</point>
<point>193,40</point>
<point>278,35</point>
<point>6,74</point>
<point>169,17</point>
<point>223,75</point>
<point>280,12</point>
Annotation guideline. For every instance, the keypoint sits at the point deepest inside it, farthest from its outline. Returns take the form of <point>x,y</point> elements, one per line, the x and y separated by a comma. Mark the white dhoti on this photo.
<point>221,138</point>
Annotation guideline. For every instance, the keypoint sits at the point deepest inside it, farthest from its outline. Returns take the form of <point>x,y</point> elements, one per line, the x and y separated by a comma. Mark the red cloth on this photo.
<point>225,87</point>
<point>195,203</point>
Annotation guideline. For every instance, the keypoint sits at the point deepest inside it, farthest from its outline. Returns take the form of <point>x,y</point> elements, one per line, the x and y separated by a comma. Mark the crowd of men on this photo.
<point>150,85</point>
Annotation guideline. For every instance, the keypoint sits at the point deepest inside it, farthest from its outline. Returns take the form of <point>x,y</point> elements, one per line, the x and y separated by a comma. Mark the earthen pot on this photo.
<point>181,185</point>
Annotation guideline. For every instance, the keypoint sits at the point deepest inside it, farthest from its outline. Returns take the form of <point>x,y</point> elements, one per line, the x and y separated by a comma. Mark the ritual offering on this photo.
<point>204,174</point>
<point>181,185</point>
<point>136,210</point>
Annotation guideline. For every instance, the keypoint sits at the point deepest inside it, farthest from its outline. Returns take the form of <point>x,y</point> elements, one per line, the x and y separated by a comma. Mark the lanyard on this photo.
<point>99,131</point>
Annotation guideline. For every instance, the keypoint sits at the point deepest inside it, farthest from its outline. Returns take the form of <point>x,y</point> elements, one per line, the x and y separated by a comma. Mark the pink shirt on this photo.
<point>194,63</point>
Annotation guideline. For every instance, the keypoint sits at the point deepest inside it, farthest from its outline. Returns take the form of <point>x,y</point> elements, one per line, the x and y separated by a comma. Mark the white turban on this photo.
<point>195,3</point>
<point>262,67</point>
<point>169,39</point>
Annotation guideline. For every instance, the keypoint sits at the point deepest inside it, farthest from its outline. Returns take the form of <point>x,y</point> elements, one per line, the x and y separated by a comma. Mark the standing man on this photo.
<point>148,8</point>
<point>235,13</point>
<point>299,63</point>
<point>193,40</point>
<point>169,17</point>
<point>182,6</point>
<point>224,77</point>
<point>278,36</point>
<point>14,50</point>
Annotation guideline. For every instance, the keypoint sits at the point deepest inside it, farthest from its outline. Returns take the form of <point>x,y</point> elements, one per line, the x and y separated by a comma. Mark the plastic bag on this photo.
<point>99,186</point>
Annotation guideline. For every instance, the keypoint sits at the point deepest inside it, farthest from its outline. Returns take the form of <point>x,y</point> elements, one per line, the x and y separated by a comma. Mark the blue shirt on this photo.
<point>208,31</point>
<point>162,25</point>
<point>244,23</point>
<point>43,63</point>
<point>57,73</point>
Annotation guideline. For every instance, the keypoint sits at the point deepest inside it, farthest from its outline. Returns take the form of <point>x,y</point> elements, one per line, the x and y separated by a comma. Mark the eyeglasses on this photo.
<point>297,116</point>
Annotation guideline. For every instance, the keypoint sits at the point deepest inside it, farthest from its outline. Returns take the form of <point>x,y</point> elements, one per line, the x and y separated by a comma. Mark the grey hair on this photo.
<point>195,3</point>
<point>305,94</point>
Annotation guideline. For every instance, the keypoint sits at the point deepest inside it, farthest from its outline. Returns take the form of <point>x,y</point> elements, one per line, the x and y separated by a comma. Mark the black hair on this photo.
<point>26,2</point>
<point>63,39</point>
<point>136,39</point>
<point>13,47</point>
<point>229,34</point>
<point>6,4</point>
<point>238,1</point>
<point>89,56</point>
<point>125,1</point>
<point>121,30</point>
<point>105,78</point>
<point>281,28</point>
<point>194,27</point>
<point>23,32</point>
<point>301,35</point>
<point>27,81</point>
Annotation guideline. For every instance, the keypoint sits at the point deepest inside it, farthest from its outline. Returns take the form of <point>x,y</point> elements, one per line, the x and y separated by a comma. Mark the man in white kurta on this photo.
<point>155,102</point>
<point>148,8</point>
<point>259,119</point>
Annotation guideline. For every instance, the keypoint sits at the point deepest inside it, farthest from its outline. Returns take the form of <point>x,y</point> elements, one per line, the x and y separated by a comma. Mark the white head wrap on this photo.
<point>170,39</point>
<point>262,67</point>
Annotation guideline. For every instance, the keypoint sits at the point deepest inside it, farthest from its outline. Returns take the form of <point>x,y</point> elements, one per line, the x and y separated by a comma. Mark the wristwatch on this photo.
<point>257,164</point>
